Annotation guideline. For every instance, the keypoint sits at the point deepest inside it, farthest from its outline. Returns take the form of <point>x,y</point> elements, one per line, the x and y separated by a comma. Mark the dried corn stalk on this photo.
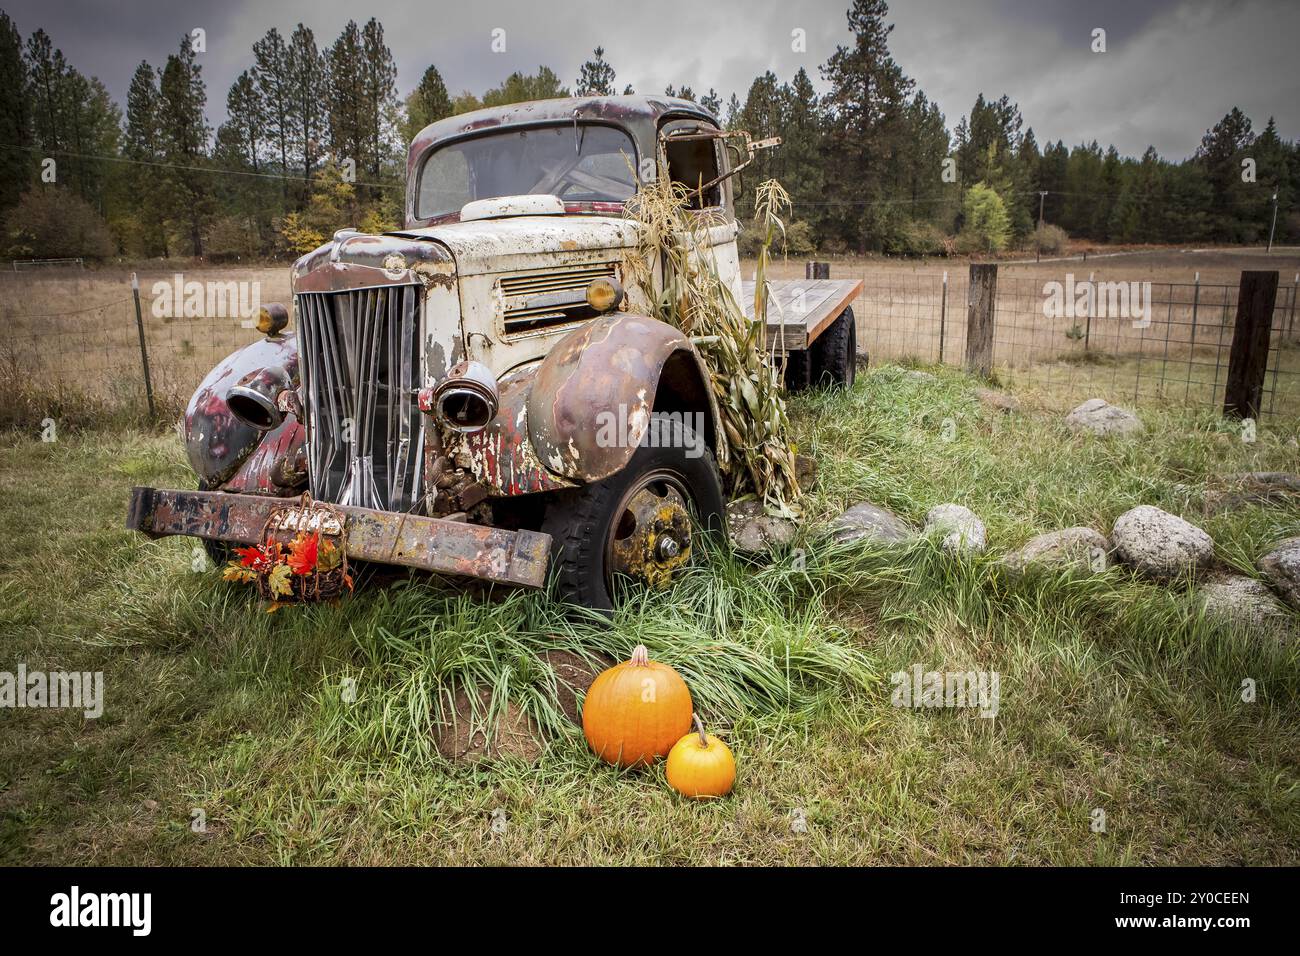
<point>754,453</point>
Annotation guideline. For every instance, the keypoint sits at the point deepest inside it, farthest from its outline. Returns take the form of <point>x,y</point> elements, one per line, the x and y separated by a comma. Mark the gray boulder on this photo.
<point>1102,418</point>
<point>1159,544</point>
<point>1241,600</point>
<point>868,522</point>
<point>754,531</point>
<point>1281,568</point>
<point>960,527</point>
<point>1073,549</point>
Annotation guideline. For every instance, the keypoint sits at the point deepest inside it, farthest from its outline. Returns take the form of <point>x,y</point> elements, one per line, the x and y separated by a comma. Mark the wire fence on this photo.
<point>63,358</point>
<point>1065,341</point>
<point>71,342</point>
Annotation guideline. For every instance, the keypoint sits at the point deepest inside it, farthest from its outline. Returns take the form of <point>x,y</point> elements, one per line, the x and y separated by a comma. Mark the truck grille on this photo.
<point>360,361</point>
<point>541,301</point>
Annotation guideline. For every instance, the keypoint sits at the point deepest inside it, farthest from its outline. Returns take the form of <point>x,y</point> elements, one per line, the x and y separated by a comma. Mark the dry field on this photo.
<point>908,312</point>
<point>75,331</point>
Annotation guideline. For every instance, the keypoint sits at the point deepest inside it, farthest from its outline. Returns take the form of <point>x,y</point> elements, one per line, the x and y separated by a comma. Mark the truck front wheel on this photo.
<point>640,525</point>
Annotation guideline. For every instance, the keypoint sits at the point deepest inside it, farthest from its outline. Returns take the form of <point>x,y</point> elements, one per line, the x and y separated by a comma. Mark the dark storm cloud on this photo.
<point>1172,67</point>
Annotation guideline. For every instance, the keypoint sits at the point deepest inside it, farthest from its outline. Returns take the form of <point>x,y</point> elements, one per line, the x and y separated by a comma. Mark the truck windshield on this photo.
<point>591,163</point>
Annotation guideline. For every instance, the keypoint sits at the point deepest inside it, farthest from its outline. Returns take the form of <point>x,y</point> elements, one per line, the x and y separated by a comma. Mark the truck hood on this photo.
<point>505,245</point>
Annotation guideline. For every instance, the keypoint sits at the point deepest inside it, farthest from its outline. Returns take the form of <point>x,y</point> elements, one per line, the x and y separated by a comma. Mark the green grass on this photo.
<point>1115,694</point>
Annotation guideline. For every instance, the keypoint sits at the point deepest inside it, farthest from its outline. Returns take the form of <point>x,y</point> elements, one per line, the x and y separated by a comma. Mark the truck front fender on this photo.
<point>217,443</point>
<point>591,401</point>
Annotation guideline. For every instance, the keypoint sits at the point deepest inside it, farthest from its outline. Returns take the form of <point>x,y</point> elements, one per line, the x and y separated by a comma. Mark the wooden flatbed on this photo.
<point>807,305</point>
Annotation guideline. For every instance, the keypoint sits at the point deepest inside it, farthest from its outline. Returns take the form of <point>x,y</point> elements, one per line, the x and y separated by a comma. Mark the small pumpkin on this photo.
<point>701,765</point>
<point>635,711</point>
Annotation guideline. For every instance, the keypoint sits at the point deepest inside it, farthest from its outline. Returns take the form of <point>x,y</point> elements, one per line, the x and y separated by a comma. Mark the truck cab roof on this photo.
<point>640,117</point>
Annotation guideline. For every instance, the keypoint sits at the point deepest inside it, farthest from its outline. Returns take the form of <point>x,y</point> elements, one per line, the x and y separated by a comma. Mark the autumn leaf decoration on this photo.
<point>278,565</point>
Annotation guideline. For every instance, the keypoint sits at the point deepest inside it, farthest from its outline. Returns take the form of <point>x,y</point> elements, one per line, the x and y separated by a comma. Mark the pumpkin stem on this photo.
<point>699,726</point>
<point>640,656</point>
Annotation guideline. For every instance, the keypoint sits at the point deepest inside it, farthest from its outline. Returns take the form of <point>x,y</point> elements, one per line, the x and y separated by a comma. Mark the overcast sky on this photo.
<point>1171,67</point>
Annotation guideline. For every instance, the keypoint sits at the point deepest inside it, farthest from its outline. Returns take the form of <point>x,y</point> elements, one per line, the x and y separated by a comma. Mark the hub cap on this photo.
<point>650,536</point>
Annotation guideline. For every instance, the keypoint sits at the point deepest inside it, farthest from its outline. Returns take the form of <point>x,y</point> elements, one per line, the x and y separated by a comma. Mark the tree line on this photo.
<point>315,134</point>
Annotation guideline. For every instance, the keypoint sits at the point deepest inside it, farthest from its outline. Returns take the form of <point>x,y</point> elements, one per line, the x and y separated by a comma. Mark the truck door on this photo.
<point>694,155</point>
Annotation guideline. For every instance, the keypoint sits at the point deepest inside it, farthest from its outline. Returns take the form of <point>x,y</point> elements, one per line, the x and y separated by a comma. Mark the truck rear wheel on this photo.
<point>834,354</point>
<point>798,369</point>
<point>640,525</point>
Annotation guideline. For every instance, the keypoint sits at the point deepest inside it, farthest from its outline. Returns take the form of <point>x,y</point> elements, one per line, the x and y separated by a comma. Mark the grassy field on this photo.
<point>1115,694</point>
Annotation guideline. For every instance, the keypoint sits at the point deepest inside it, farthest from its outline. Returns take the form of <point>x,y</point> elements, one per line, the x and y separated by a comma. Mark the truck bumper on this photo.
<point>413,541</point>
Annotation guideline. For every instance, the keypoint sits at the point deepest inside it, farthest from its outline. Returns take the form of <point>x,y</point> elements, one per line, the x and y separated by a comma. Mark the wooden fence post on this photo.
<point>1248,359</point>
<point>980,298</point>
<point>144,351</point>
<point>817,270</point>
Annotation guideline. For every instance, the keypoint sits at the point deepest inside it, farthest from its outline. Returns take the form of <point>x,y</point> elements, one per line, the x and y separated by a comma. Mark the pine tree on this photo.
<point>428,103</point>
<point>522,87</point>
<point>271,76</point>
<point>308,116</point>
<point>378,100</point>
<point>183,136</point>
<point>867,128</point>
<point>142,144</point>
<point>346,111</point>
<point>596,77</point>
<point>16,163</point>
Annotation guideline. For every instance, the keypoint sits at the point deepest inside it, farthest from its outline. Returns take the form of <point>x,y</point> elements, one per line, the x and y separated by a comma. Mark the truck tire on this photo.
<point>797,369</point>
<point>642,523</point>
<point>834,354</point>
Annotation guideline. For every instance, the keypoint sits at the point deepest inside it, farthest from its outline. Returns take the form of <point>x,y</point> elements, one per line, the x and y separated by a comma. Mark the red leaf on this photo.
<point>302,553</point>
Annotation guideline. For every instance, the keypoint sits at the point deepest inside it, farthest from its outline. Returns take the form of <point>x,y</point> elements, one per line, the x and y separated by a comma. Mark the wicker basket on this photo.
<point>308,517</point>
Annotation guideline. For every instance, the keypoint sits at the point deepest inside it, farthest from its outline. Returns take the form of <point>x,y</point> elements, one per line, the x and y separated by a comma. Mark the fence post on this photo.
<point>980,299</point>
<point>144,352</point>
<point>1248,359</point>
<point>943,313</point>
<point>1290,322</point>
<point>1092,307</point>
<point>817,270</point>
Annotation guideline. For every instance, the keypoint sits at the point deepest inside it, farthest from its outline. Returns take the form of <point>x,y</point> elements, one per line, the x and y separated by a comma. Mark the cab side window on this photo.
<point>693,162</point>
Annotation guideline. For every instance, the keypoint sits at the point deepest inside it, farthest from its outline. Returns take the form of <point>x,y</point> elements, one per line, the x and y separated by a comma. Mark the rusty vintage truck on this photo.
<point>477,393</point>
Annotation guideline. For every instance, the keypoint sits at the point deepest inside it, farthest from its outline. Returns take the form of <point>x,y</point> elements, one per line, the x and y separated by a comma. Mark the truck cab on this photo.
<point>487,374</point>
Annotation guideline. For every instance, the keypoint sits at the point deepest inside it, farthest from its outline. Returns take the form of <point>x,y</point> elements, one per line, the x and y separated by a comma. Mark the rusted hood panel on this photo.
<point>355,260</point>
<point>522,242</point>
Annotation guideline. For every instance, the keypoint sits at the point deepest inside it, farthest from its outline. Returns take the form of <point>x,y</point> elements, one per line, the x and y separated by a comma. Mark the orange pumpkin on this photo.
<point>634,712</point>
<point>701,765</point>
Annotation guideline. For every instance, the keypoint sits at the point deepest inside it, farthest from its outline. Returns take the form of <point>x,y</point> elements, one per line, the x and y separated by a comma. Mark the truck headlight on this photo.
<point>604,294</point>
<point>272,318</point>
<point>467,399</point>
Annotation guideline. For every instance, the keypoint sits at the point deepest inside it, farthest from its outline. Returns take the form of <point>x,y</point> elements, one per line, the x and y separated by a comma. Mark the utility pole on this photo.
<point>1274,226</point>
<point>1042,194</point>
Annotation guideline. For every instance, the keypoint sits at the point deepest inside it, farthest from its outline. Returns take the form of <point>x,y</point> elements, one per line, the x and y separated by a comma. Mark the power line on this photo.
<point>187,168</point>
